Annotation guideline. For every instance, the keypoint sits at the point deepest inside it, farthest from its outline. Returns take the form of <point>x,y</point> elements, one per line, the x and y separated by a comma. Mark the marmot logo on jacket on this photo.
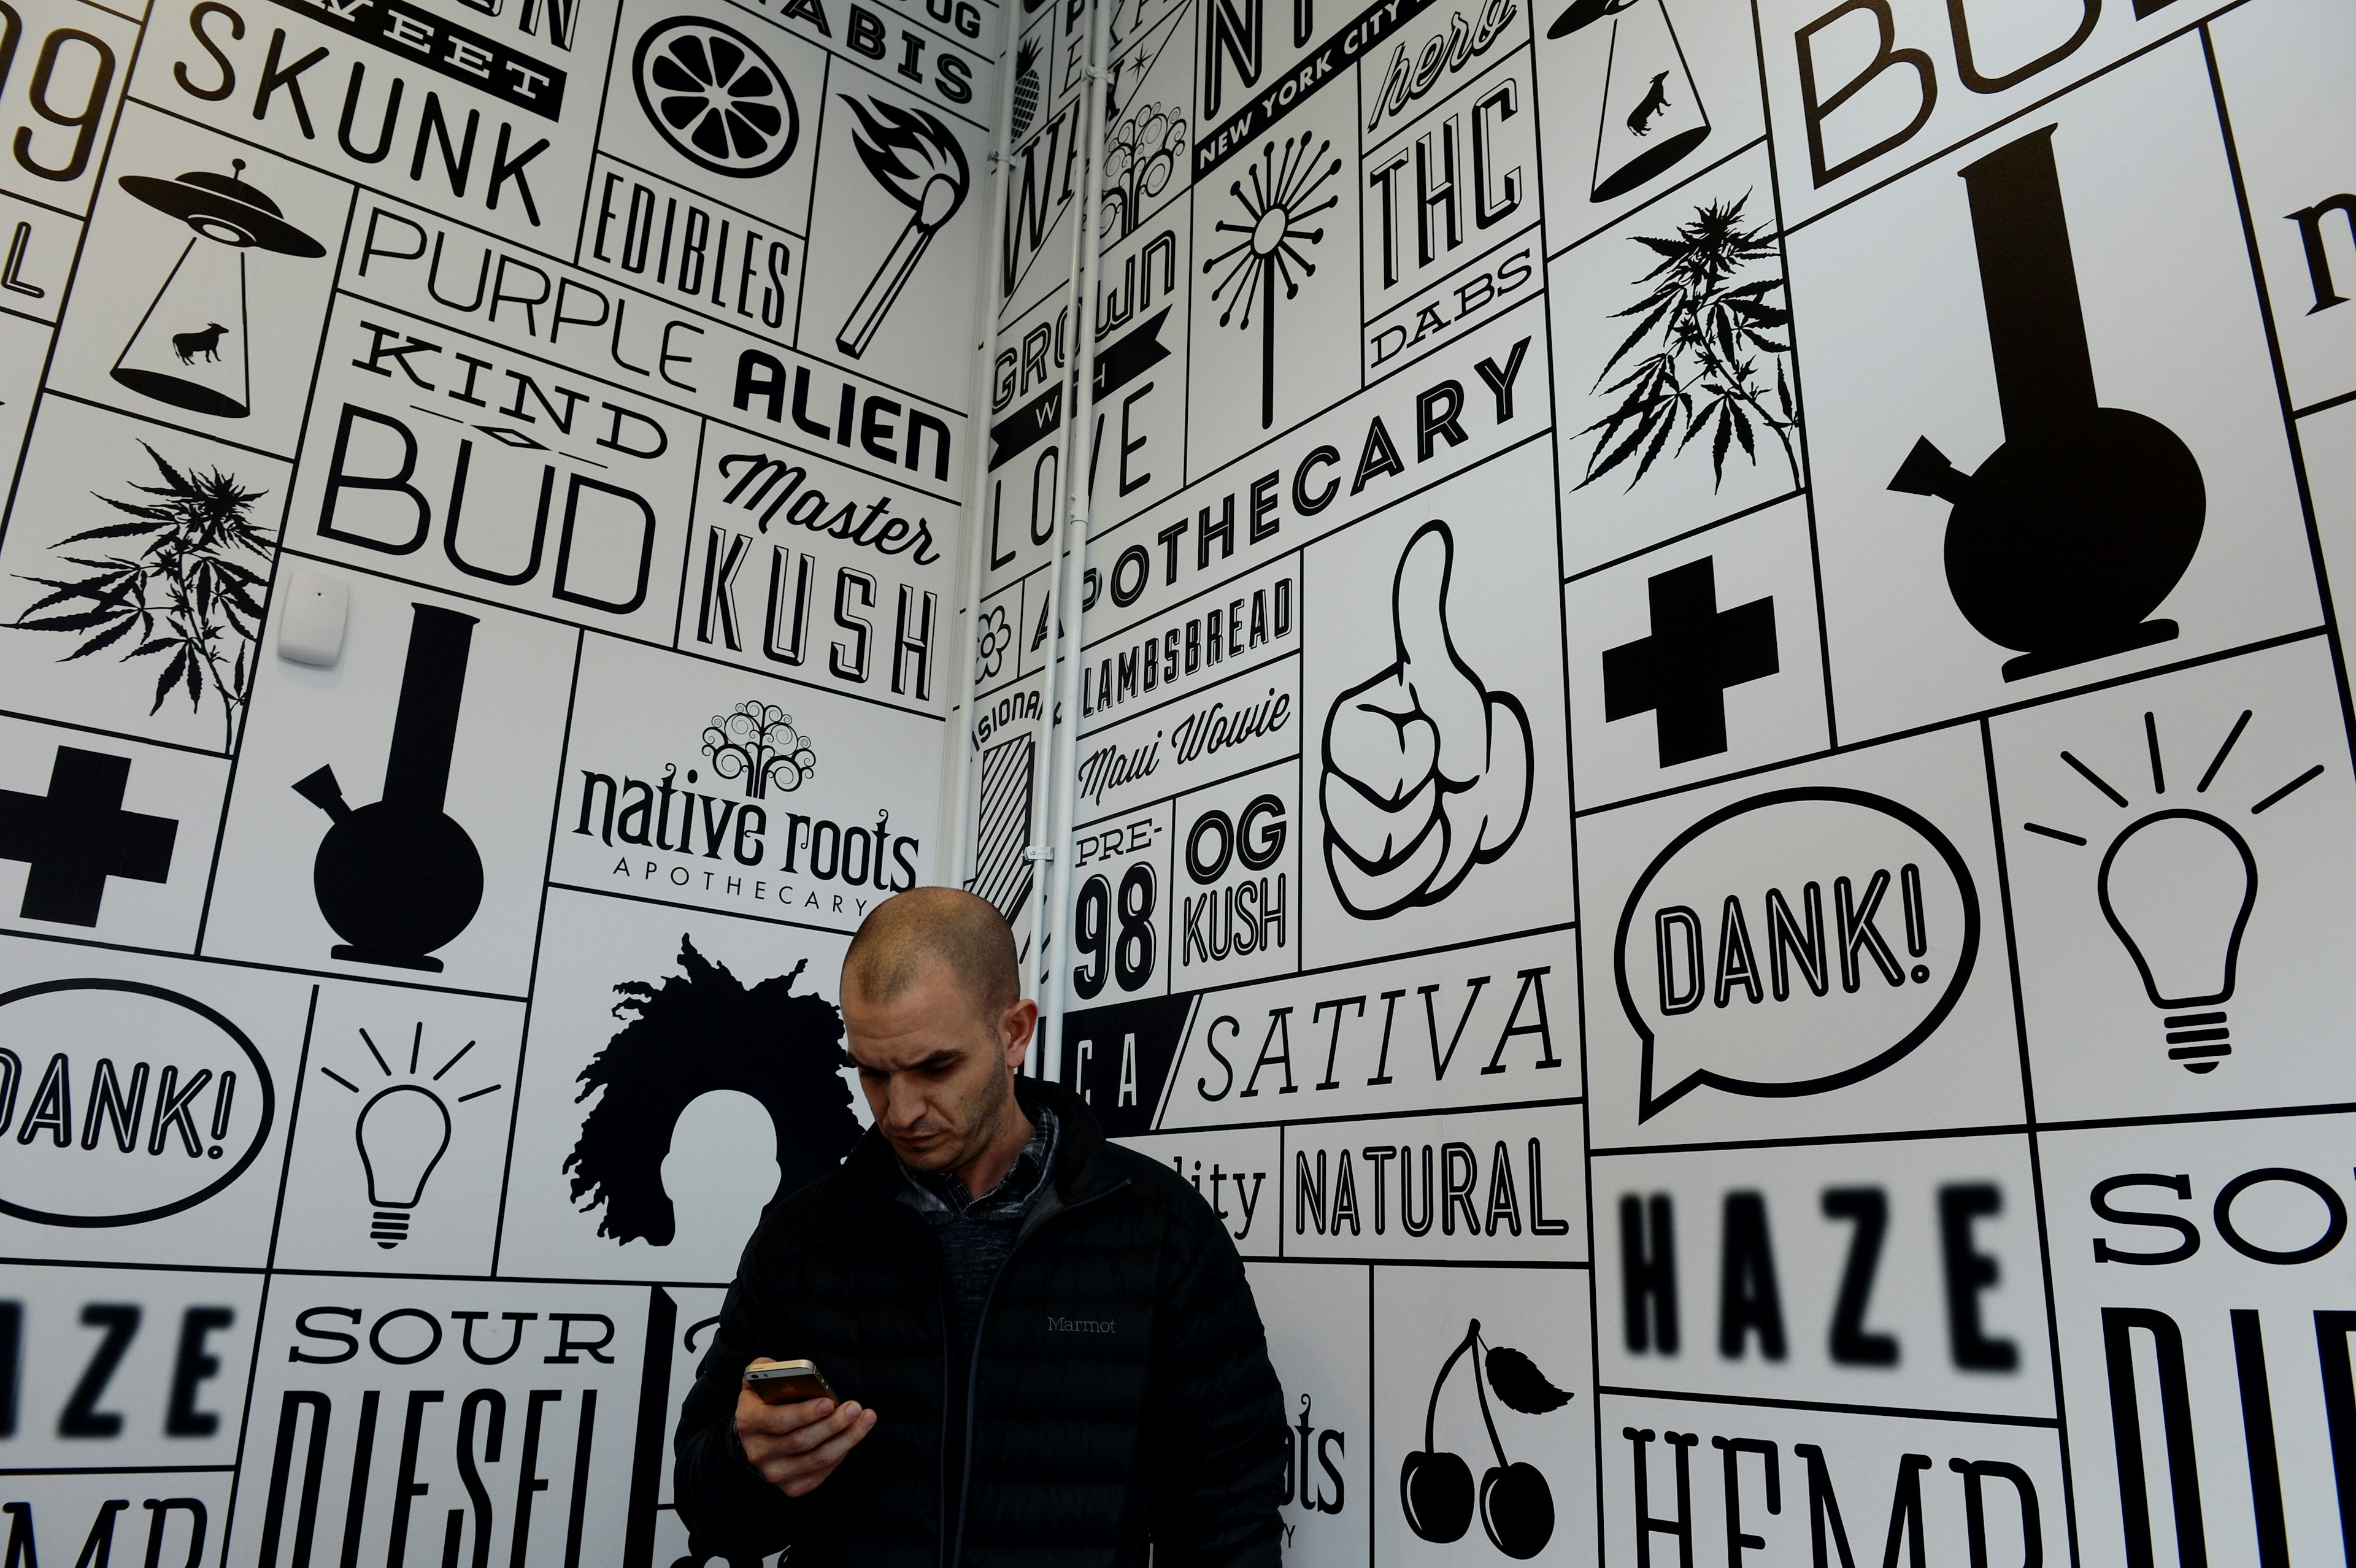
<point>1082,1326</point>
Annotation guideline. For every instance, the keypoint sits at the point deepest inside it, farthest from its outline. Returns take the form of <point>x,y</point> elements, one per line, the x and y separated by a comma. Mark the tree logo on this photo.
<point>757,743</point>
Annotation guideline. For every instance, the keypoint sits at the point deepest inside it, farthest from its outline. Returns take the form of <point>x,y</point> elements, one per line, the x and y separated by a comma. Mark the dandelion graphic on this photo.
<point>1281,188</point>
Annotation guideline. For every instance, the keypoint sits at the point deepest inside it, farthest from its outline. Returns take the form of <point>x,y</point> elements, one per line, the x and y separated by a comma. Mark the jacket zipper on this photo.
<point>973,1366</point>
<point>949,1371</point>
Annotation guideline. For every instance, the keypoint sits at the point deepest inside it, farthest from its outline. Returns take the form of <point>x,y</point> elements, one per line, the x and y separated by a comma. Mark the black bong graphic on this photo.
<point>2072,532</point>
<point>1436,1488</point>
<point>399,879</point>
<point>176,354</point>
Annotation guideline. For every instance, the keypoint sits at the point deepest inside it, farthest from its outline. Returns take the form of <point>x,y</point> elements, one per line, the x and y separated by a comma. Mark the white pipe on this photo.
<point>1074,641</point>
<point>956,859</point>
<point>1077,309</point>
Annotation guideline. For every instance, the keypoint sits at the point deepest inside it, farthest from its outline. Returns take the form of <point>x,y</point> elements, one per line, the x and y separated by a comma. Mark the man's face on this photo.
<point>937,1066</point>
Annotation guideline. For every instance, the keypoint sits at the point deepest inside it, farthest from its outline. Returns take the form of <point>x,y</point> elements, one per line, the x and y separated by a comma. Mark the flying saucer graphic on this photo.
<point>1585,12</point>
<point>1652,114</point>
<point>223,208</point>
<point>184,352</point>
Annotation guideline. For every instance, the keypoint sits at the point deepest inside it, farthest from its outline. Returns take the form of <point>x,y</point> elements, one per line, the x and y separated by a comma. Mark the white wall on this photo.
<point>483,315</point>
<point>1958,1201</point>
<point>1501,726</point>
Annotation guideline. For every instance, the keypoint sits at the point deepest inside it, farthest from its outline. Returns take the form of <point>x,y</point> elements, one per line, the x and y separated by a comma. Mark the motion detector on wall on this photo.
<point>312,631</point>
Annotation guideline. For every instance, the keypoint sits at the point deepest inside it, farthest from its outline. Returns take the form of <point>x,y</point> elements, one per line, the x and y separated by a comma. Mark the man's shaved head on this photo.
<point>909,932</point>
<point>933,1018</point>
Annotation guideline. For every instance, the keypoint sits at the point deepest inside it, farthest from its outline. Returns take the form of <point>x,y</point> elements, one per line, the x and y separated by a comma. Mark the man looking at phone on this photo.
<point>1044,1345</point>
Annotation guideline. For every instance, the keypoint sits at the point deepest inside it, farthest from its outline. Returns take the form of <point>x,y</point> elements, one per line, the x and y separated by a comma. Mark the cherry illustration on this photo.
<point>1436,1489</point>
<point>1517,1509</point>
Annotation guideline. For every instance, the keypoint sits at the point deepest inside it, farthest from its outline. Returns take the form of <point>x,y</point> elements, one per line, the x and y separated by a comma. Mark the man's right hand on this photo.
<point>796,1447</point>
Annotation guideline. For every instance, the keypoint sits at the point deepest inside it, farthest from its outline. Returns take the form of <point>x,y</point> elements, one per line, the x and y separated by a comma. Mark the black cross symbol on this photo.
<point>1681,672</point>
<point>78,835</point>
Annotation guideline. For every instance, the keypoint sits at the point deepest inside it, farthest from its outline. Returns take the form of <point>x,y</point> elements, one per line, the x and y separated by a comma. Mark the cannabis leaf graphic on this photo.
<point>1710,335</point>
<point>188,591</point>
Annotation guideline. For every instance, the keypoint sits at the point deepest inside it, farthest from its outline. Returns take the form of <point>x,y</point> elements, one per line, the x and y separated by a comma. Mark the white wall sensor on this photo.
<point>311,630</point>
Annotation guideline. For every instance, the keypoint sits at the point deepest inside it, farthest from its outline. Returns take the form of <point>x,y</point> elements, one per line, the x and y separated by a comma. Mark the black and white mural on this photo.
<point>481,503</point>
<point>1713,754</point>
<point>1718,851</point>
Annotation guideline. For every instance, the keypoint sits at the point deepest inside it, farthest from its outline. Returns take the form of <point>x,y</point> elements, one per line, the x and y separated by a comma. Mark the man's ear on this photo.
<point>1016,1028</point>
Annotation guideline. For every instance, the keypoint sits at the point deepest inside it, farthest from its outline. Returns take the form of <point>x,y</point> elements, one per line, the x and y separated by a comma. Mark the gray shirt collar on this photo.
<point>940,1197</point>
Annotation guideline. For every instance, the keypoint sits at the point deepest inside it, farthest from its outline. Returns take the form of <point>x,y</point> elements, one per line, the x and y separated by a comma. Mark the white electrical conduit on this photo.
<point>956,859</point>
<point>1038,854</point>
<point>1060,721</point>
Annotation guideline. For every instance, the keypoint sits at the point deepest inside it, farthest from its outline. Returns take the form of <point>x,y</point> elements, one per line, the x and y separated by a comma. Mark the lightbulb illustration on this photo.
<point>2177,887</point>
<point>402,1134</point>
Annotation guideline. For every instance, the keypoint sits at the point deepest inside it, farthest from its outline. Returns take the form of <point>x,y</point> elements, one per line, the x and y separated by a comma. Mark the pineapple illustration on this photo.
<point>1026,87</point>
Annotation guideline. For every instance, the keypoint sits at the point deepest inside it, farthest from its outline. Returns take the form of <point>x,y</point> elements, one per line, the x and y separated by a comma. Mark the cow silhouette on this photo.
<point>188,345</point>
<point>1641,120</point>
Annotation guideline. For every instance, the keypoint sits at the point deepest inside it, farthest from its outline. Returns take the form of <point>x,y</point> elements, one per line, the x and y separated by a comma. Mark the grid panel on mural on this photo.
<point>1877,1090</point>
<point>399,1036</point>
<point>1727,830</point>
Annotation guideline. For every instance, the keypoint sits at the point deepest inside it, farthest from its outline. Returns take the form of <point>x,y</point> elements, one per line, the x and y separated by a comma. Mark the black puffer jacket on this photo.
<point>1120,1389</point>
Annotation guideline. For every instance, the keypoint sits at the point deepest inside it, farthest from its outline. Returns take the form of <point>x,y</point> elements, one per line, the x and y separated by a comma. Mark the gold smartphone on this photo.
<point>787,1382</point>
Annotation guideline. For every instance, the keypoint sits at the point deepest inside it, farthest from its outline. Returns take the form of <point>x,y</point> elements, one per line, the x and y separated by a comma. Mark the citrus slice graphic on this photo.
<point>709,92</point>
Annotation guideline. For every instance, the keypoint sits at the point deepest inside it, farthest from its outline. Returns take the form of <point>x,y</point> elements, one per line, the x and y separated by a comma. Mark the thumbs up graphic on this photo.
<point>1427,772</point>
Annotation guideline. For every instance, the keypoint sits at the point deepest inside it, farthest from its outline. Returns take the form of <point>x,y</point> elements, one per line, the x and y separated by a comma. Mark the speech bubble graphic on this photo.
<point>122,1102</point>
<point>1792,944</point>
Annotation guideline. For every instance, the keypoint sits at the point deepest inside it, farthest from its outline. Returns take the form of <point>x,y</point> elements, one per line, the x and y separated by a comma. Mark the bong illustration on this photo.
<point>228,217</point>
<point>400,879</point>
<point>2070,534</point>
<point>1436,1488</point>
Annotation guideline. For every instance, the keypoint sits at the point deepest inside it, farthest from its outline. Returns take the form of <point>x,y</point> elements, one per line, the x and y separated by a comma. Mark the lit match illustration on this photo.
<point>913,158</point>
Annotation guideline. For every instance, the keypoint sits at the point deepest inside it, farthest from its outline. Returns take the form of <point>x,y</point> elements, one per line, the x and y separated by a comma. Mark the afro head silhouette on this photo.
<point>690,1034</point>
